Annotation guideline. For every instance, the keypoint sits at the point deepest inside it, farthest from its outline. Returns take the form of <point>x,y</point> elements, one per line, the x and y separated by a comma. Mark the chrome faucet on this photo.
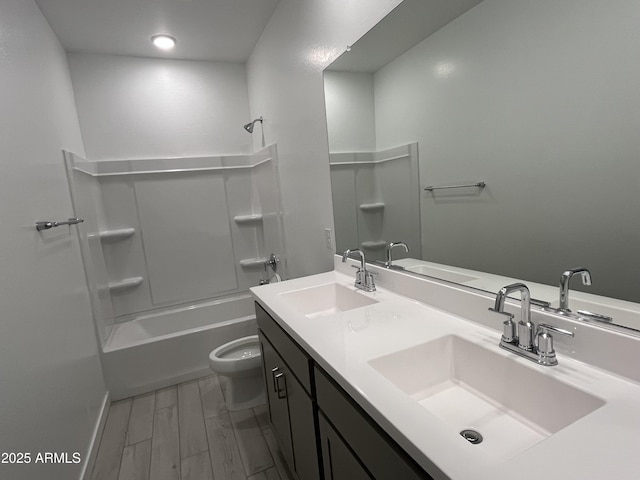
<point>364,278</point>
<point>524,336</point>
<point>522,343</point>
<point>390,247</point>
<point>564,285</point>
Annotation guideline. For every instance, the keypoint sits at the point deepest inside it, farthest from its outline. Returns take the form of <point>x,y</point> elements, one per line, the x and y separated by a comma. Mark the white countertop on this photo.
<point>601,445</point>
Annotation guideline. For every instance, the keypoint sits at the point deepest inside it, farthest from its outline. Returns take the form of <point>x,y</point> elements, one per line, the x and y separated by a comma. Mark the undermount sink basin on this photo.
<point>468,386</point>
<point>443,274</point>
<point>326,299</point>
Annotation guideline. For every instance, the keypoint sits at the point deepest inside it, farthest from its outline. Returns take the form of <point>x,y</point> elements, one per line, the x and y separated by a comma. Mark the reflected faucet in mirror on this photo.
<point>564,296</point>
<point>564,285</point>
<point>390,247</point>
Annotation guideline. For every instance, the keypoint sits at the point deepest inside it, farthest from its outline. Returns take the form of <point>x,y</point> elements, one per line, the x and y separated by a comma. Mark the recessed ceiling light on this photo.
<point>163,42</point>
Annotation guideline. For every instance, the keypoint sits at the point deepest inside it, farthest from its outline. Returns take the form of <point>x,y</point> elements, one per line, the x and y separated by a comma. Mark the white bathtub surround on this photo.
<point>87,204</point>
<point>351,345</point>
<point>176,249</point>
<point>156,350</point>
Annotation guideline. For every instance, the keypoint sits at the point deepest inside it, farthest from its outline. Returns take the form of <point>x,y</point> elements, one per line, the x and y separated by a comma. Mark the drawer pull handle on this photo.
<point>282,392</point>
<point>274,371</point>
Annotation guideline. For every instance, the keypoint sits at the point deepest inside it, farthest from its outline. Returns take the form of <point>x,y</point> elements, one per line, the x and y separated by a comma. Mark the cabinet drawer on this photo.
<point>295,358</point>
<point>374,448</point>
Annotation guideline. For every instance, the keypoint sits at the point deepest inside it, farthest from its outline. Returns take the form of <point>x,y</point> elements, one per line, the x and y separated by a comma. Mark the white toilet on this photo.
<point>240,363</point>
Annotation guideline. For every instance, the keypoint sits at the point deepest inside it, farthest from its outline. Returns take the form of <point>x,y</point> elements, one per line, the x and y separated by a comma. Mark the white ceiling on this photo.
<point>216,30</point>
<point>407,25</point>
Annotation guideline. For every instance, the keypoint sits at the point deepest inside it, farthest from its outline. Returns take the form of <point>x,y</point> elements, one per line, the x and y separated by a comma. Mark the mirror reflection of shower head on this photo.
<point>249,126</point>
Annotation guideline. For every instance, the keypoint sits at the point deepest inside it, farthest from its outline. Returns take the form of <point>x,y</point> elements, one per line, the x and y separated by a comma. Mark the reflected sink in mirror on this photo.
<point>440,273</point>
<point>468,386</point>
<point>326,300</point>
<point>617,310</point>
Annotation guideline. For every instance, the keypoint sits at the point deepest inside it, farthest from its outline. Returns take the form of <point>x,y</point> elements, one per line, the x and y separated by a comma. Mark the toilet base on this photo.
<point>246,391</point>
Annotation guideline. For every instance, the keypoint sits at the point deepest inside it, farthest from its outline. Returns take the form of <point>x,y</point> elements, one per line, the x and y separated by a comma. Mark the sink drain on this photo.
<point>471,436</point>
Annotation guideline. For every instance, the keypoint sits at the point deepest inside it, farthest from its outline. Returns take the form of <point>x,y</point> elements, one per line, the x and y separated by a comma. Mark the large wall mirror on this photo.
<point>540,101</point>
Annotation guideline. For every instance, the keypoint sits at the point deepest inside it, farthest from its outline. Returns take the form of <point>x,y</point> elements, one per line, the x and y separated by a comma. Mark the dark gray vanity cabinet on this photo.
<point>287,371</point>
<point>323,432</point>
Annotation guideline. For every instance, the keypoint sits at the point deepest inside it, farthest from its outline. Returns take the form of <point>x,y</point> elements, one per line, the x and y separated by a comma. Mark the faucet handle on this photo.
<point>550,328</point>
<point>508,327</point>
<point>544,341</point>
<point>360,269</point>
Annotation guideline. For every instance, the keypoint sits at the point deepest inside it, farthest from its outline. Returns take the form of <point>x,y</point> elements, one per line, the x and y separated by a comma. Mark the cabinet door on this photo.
<point>303,431</point>
<point>274,376</point>
<point>292,414</point>
<point>339,462</point>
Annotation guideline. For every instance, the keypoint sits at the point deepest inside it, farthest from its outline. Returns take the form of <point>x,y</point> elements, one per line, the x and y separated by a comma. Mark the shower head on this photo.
<point>249,126</point>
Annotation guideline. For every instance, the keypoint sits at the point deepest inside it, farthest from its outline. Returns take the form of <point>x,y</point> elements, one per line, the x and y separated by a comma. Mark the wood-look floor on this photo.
<point>185,432</point>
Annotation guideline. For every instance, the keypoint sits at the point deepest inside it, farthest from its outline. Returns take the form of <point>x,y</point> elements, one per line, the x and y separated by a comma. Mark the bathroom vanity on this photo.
<point>409,382</point>
<point>296,387</point>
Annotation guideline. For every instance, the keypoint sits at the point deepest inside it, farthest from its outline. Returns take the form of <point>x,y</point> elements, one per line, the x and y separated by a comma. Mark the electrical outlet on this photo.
<point>328,238</point>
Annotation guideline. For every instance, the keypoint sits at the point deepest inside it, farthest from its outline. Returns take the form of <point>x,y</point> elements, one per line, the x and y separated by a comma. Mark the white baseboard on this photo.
<point>92,451</point>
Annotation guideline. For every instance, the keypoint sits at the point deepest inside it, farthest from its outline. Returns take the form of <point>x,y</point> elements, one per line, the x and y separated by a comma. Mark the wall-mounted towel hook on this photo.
<point>47,225</point>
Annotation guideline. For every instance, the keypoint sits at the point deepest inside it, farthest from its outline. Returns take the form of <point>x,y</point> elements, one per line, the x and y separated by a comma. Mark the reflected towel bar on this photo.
<point>431,188</point>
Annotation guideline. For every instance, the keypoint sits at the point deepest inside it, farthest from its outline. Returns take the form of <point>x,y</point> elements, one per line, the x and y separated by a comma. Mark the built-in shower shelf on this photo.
<point>374,245</point>
<point>125,284</point>
<point>252,219</point>
<point>372,207</point>
<point>117,234</point>
<point>253,262</point>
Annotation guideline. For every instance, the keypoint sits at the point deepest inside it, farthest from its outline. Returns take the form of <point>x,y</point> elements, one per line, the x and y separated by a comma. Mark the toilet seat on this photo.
<point>237,356</point>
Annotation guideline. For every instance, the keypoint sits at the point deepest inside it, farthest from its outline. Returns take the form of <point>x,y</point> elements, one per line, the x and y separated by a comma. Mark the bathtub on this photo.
<point>161,349</point>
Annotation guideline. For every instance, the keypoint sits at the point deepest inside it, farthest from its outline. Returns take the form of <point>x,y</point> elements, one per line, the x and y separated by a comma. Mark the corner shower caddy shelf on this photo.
<point>116,234</point>
<point>252,219</point>
<point>372,207</point>
<point>125,284</point>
